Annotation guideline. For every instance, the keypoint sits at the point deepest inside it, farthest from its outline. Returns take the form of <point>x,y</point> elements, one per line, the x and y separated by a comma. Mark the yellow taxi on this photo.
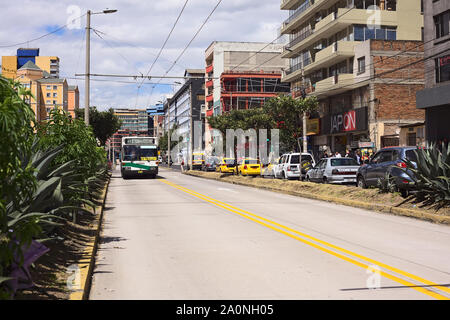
<point>226,165</point>
<point>249,167</point>
<point>198,160</point>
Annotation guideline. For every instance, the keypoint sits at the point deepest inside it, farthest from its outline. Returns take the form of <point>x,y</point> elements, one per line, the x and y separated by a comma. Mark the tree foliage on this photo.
<point>17,180</point>
<point>104,123</point>
<point>282,112</point>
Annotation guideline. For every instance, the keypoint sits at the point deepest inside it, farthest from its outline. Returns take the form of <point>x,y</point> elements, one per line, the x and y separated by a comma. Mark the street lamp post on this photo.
<point>88,61</point>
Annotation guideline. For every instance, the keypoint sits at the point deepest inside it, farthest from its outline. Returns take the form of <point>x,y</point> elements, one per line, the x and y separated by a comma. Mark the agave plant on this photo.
<point>432,175</point>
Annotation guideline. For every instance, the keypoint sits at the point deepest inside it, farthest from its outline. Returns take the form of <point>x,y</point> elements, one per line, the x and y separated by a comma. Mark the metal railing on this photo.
<point>298,11</point>
<point>300,38</point>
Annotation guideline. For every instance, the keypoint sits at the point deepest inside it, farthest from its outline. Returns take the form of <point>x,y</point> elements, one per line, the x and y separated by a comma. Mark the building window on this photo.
<point>54,102</point>
<point>48,95</point>
<point>363,33</point>
<point>55,95</point>
<point>361,65</point>
<point>390,5</point>
<point>55,87</point>
<point>442,24</point>
<point>442,69</point>
<point>49,87</point>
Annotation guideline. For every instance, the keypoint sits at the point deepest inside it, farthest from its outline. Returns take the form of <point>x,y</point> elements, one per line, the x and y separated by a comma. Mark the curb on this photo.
<point>351,203</point>
<point>86,265</point>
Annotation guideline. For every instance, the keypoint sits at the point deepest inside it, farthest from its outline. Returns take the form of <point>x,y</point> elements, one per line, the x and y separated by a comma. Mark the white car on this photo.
<point>293,165</point>
<point>334,170</point>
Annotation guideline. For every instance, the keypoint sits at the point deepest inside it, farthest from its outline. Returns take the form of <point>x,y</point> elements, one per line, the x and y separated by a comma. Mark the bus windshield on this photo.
<point>139,153</point>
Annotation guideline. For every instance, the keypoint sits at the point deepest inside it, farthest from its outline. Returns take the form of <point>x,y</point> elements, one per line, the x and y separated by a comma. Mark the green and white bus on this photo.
<point>139,157</point>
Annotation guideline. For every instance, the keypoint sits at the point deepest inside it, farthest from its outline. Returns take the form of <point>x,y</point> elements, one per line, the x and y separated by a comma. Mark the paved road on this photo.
<point>181,237</point>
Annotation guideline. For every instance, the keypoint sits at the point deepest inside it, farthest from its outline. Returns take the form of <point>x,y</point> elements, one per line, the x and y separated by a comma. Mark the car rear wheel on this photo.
<point>325,180</point>
<point>361,183</point>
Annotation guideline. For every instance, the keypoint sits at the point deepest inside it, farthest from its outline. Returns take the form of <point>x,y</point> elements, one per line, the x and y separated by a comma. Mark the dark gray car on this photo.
<point>389,162</point>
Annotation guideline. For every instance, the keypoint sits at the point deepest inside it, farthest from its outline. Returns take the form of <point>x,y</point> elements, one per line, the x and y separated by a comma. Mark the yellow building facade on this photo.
<point>47,93</point>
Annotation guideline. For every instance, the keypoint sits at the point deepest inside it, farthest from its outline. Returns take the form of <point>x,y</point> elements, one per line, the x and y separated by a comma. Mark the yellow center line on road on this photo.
<point>250,216</point>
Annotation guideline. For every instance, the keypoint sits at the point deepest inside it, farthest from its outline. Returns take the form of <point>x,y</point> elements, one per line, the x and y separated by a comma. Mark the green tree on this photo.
<point>104,123</point>
<point>287,114</point>
<point>282,112</point>
<point>78,140</point>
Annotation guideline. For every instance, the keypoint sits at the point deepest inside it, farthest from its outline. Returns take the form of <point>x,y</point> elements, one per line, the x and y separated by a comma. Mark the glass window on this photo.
<point>391,34</point>
<point>362,65</point>
<point>251,161</point>
<point>411,155</point>
<point>343,162</point>
<point>442,69</point>
<point>369,33</point>
<point>380,34</point>
<point>359,33</point>
<point>295,159</point>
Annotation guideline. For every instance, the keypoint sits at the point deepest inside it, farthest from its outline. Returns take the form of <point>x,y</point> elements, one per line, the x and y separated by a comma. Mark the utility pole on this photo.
<point>168,138</point>
<point>191,121</point>
<point>88,68</point>
<point>88,61</point>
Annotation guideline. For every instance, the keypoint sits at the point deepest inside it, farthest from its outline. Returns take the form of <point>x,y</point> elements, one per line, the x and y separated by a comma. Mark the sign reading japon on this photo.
<point>353,120</point>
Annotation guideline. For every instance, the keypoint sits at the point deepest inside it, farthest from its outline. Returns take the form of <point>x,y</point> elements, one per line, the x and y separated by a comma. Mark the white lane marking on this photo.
<point>226,189</point>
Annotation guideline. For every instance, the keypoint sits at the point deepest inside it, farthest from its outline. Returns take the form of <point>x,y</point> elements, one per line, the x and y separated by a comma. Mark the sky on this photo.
<point>128,41</point>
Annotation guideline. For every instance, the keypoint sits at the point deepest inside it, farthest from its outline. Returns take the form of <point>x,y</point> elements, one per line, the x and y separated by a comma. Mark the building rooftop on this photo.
<point>51,80</point>
<point>30,66</point>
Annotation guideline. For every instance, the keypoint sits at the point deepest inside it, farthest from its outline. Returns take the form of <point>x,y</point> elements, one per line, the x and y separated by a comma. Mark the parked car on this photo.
<point>293,165</point>
<point>334,170</point>
<point>248,167</point>
<point>226,165</point>
<point>211,164</point>
<point>198,160</point>
<point>389,162</point>
<point>268,170</point>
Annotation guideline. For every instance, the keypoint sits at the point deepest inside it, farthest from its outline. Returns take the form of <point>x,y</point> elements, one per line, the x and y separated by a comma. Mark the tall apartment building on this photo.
<point>363,61</point>
<point>10,64</point>
<point>250,70</point>
<point>134,123</point>
<point>185,107</point>
<point>435,98</point>
<point>48,93</point>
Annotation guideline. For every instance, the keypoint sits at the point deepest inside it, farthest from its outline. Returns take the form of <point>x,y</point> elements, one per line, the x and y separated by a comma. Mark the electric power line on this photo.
<point>43,36</point>
<point>162,48</point>
<point>189,43</point>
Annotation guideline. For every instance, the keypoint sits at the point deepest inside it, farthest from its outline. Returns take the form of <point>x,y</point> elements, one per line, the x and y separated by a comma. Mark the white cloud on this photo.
<point>136,32</point>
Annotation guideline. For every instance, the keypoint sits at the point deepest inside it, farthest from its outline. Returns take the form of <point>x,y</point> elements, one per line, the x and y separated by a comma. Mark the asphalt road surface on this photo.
<point>182,237</point>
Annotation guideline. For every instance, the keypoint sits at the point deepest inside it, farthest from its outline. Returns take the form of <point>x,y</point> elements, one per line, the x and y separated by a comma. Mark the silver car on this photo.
<point>334,170</point>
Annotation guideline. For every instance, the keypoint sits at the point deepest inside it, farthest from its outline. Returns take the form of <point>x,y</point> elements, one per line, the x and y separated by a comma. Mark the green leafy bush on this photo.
<point>432,175</point>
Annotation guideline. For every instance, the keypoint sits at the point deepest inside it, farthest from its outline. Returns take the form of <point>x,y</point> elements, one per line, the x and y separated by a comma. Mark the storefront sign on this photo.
<point>444,61</point>
<point>312,127</point>
<point>366,144</point>
<point>354,120</point>
<point>343,122</point>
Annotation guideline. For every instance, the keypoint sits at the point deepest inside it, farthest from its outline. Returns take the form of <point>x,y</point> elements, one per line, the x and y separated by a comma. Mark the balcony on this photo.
<point>331,55</point>
<point>288,4</point>
<point>295,71</point>
<point>209,68</point>
<point>304,14</point>
<point>335,22</point>
<point>302,8</point>
<point>209,83</point>
<point>209,98</point>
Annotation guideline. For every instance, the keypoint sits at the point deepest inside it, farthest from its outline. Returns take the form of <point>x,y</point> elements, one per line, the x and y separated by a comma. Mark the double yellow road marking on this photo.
<point>326,247</point>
